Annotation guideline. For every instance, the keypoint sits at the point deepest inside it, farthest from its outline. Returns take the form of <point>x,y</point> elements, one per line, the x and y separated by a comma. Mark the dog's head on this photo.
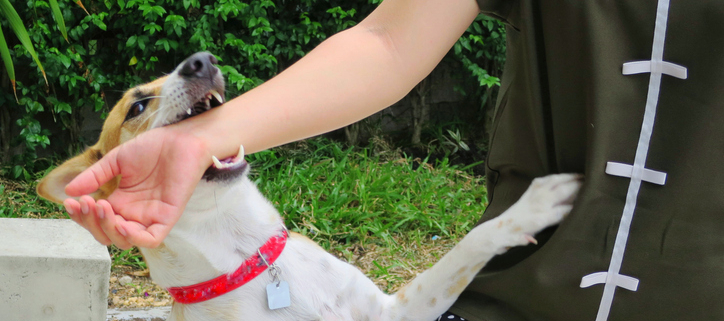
<point>193,88</point>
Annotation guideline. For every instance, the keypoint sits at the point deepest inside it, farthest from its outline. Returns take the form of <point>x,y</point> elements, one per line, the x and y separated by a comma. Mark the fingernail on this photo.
<point>68,209</point>
<point>99,208</point>
<point>121,230</point>
<point>84,208</point>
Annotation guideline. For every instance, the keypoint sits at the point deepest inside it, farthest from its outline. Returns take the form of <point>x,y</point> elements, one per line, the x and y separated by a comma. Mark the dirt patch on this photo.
<point>132,289</point>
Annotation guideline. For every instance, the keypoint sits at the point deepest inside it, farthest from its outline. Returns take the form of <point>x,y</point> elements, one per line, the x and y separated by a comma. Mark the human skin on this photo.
<point>348,77</point>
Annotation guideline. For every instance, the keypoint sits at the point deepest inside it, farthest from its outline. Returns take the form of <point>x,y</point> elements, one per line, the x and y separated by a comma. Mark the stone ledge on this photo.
<point>52,270</point>
<point>154,314</point>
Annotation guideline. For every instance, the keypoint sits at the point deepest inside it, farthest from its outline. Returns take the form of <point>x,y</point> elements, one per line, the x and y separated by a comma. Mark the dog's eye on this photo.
<point>137,108</point>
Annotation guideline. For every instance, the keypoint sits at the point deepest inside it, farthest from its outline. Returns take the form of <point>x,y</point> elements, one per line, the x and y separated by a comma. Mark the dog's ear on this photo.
<point>52,186</point>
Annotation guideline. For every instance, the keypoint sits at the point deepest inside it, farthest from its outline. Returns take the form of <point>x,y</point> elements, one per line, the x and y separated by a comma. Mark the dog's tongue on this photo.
<point>230,161</point>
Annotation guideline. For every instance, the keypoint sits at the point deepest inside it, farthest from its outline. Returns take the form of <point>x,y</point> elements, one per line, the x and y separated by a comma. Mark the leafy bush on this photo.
<point>122,43</point>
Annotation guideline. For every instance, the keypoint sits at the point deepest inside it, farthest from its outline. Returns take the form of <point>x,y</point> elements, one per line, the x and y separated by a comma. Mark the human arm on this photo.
<point>346,78</point>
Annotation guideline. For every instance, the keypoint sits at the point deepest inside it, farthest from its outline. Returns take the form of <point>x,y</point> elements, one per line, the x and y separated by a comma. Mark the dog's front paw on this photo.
<point>546,202</point>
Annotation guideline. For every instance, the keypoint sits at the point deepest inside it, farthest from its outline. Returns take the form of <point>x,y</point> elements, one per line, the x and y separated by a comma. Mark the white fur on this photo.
<point>226,222</point>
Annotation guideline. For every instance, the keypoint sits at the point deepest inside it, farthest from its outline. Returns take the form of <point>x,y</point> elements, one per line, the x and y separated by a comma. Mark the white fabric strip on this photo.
<point>626,282</point>
<point>667,68</point>
<point>626,170</point>
<point>638,172</point>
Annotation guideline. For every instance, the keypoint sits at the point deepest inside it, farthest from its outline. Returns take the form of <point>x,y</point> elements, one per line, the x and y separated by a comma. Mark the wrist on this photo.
<point>192,146</point>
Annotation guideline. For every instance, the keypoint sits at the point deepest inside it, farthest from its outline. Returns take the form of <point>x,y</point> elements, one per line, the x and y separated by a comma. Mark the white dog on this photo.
<point>229,257</point>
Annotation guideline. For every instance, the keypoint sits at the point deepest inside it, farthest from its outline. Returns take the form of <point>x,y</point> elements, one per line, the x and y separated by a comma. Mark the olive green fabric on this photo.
<point>564,106</point>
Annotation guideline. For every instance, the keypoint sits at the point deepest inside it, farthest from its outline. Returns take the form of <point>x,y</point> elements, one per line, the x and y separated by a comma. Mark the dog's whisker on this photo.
<point>146,98</point>
<point>150,118</point>
<point>157,121</point>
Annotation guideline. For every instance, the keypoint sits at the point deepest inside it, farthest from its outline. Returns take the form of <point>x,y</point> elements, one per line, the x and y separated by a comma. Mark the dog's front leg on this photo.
<point>545,203</point>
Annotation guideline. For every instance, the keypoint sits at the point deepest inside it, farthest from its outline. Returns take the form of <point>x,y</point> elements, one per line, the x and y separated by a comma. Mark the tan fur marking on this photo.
<point>401,296</point>
<point>419,288</point>
<point>432,303</point>
<point>457,288</point>
<point>478,267</point>
<point>461,270</point>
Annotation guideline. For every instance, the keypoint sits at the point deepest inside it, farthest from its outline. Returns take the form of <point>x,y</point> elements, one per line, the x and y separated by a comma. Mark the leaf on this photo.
<point>17,25</point>
<point>145,272</point>
<point>131,41</point>
<point>100,24</point>
<point>133,61</point>
<point>64,107</point>
<point>58,18</point>
<point>65,60</point>
<point>5,54</point>
<point>17,171</point>
<point>142,42</point>
<point>81,5</point>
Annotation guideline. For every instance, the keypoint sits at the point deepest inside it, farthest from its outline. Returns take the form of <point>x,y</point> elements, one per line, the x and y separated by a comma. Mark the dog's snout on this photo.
<point>199,65</point>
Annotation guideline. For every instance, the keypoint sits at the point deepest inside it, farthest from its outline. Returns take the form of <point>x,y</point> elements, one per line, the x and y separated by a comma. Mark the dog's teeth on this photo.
<point>208,104</point>
<point>189,111</point>
<point>240,155</point>
<point>217,96</point>
<point>217,162</point>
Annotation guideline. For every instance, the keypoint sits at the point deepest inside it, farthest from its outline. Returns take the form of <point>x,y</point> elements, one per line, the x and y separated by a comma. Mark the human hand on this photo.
<point>158,172</point>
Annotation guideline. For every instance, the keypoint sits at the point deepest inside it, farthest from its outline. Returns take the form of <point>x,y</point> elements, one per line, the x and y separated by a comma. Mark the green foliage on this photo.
<point>121,43</point>
<point>13,19</point>
<point>483,43</point>
<point>481,50</point>
<point>131,257</point>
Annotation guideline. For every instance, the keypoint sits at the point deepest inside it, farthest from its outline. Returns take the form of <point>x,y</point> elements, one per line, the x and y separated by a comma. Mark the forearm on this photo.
<point>348,77</point>
<point>338,83</point>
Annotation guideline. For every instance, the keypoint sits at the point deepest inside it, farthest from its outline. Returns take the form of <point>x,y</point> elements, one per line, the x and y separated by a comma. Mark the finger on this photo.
<point>73,208</point>
<point>95,176</point>
<point>142,236</point>
<point>108,219</point>
<point>90,219</point>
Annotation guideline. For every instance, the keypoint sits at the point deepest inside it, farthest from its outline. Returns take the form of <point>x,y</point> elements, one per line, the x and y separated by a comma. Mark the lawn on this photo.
<point>391,215</point>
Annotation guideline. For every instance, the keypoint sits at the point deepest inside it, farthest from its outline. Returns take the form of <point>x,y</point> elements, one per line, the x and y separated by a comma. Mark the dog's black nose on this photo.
<point>200,64</point>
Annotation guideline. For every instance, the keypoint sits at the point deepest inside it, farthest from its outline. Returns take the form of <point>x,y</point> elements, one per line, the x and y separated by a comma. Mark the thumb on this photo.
<point>92,178</point>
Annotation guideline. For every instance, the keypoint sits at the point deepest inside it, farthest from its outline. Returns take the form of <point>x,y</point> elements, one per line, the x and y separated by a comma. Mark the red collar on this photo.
<point>248,270</point>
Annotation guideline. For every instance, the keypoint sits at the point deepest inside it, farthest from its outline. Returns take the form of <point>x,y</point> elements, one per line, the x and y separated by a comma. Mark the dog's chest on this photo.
<point>321,288</point>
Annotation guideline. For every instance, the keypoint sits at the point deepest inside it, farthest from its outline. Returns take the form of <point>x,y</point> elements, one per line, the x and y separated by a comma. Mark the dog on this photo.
<point>230,257</point>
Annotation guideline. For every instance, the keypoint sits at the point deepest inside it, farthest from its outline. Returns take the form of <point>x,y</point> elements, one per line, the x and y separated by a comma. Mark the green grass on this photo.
<point>344,195</point>
<point>379,210</point>
<point>18,199</point>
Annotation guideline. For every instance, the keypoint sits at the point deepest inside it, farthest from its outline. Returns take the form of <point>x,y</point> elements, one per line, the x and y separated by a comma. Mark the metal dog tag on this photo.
<point>277,295</point>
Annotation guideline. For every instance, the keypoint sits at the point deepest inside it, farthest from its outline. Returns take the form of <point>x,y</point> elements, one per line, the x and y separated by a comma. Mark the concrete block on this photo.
<point>51,270</point>
<point>153,314</point>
